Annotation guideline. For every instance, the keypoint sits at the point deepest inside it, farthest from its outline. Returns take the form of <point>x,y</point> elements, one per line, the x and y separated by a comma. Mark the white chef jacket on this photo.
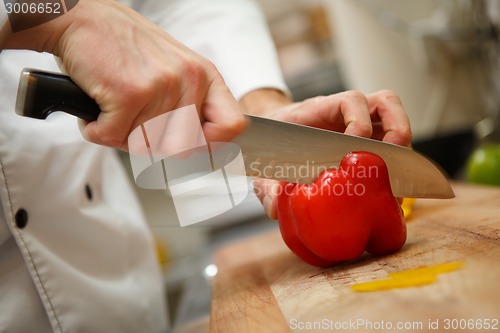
<point>75,252</point>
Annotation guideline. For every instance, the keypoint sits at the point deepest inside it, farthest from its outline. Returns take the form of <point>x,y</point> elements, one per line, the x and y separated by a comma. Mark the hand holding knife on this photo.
<point>264,143</point>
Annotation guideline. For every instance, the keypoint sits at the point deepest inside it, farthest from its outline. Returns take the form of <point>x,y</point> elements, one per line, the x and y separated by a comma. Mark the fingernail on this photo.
<point>269,201</point>
<point>268,207</point>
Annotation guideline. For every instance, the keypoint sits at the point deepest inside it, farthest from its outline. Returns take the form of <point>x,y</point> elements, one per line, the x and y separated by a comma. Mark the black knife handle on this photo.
<point>40,93</point>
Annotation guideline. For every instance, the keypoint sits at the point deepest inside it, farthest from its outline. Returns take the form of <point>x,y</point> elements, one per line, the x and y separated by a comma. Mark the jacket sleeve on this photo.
<point>233,34</point>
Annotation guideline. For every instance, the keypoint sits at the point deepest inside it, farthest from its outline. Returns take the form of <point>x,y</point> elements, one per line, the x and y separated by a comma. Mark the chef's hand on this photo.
<point>380,116</point>
<point>134,71</point>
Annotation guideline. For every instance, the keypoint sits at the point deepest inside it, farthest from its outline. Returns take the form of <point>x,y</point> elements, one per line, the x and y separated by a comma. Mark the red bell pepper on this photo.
<point>343,213</point>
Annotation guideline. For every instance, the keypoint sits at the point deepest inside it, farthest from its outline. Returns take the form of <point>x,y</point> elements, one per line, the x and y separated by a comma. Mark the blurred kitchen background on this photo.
<point>440,56</point>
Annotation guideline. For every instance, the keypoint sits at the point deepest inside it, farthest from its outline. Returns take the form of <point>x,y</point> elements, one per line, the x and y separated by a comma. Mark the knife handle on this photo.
<point>40,93</point>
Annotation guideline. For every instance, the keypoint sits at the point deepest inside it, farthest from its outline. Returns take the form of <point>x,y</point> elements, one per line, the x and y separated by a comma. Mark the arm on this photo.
<point>133,69</point>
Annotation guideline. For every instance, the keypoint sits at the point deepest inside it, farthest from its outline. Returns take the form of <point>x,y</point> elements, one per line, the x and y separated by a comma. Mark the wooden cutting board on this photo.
<point>262,287</point>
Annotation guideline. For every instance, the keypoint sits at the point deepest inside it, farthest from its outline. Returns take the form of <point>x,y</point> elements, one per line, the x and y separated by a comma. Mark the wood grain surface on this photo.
<point>262,287</point>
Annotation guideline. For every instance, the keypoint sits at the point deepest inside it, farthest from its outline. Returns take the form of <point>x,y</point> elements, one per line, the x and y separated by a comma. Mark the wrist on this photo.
<point>36,24</point>
<point>261,102</point>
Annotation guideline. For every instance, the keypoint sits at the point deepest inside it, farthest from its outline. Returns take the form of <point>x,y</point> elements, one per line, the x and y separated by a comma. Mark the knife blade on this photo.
<point>271,149</point>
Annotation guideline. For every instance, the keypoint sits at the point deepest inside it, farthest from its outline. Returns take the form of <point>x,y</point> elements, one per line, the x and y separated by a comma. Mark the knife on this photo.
<point>271,149</point>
